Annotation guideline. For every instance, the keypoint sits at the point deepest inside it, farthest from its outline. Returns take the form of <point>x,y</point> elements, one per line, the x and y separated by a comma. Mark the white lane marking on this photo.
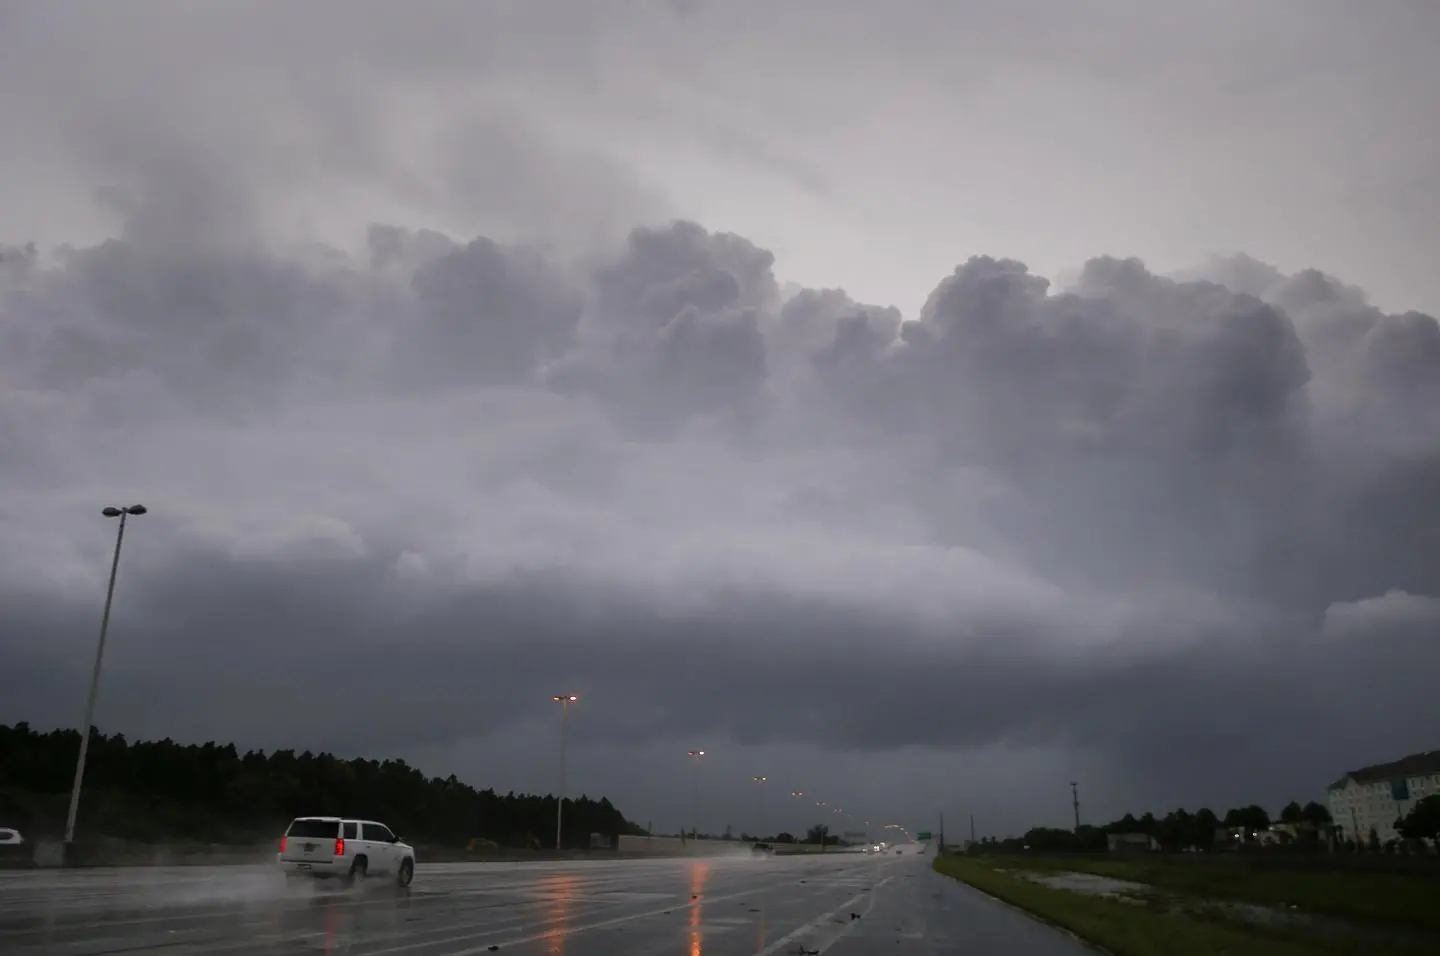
<point>485,927</point>
<point>820,921</point>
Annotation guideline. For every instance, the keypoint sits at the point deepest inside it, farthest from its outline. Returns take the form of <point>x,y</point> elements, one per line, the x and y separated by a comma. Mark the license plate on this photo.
<point>302,866</point>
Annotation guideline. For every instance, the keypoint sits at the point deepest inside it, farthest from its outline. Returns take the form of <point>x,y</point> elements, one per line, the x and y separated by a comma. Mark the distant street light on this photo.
<point>695,757</point>
<point>760,803</point>
<point>564,700</point>
<point>122,514</point>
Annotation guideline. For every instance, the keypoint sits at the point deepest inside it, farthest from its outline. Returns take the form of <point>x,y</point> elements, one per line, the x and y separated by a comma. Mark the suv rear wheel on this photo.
<point>358,870</point>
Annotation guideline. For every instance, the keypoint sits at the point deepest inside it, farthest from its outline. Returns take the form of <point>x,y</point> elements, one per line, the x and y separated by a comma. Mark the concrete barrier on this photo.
<point>51,853</point>
<point>674,846</point>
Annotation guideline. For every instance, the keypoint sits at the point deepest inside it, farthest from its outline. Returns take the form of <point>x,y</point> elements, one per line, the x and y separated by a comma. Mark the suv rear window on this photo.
<point>314,829</point>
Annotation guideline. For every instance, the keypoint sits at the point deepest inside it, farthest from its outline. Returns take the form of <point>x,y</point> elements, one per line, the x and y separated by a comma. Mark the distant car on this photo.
<point>762,849</point>
<point>347,850</point>
<point>10,837</point>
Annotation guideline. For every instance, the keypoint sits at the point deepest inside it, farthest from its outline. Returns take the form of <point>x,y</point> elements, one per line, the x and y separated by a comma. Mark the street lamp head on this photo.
<point>112,512</point>
<point>137,509</point>
<point>759,779</point>
<point>565,699</point>
<point>696,753</point>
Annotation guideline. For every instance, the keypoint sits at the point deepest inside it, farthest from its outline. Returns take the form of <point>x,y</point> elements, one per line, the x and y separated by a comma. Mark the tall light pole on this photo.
<point>1075,798</point>
<point>760,804</point>
<point>695,757</point>
<point>564,700</point>
<point>122,514</point>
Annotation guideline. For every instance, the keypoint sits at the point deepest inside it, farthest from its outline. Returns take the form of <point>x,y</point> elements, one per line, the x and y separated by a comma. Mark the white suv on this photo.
<point>351,850</point>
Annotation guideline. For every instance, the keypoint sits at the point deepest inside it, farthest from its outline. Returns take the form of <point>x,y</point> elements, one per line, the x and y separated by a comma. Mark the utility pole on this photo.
<point>942,832</point>
<point>972,829</point>
<point>70,817</point>
<point>695,757</point>
<point>1075,798</point>
<point>564,700</point>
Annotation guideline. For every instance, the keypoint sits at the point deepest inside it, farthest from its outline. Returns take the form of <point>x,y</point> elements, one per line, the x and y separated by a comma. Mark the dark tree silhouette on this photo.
<point>1317,813</point>
<point>159,790</point>
<point>1423,820</point>
<point>1179,830</point>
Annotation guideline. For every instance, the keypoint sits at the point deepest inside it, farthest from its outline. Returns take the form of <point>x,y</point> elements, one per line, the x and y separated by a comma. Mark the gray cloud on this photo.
<point>676,328</point>
<point>1089,518</point>
<point>1166,533</point>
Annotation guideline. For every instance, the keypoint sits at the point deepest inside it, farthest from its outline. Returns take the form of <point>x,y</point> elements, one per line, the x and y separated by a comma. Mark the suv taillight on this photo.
<point>339,846</point>
<point>282,843</point>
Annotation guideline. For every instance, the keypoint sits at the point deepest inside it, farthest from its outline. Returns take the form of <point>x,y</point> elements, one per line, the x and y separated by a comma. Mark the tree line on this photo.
<point>1177,831</point>
<point>162,791</point>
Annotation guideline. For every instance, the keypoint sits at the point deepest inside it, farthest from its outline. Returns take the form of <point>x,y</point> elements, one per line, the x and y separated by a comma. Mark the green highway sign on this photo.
<point>923,835</point>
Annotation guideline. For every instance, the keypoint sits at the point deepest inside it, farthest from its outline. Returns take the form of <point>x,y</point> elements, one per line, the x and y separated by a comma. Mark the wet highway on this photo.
<point>718,907</point>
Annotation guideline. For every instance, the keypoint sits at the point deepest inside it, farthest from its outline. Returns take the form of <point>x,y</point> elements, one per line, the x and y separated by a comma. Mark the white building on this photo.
<point>1375,797</point>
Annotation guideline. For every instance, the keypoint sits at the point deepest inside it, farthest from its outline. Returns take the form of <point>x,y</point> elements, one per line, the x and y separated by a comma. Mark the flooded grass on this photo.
<point>1132,918</point>
<point>1379,897</point>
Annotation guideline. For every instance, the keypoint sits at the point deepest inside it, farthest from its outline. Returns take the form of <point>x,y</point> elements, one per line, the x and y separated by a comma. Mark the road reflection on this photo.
<point>558,890</point>
<point>699,873</point>
<point>332,918</point>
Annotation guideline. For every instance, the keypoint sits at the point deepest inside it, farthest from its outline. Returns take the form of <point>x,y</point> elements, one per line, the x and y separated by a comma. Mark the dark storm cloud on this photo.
<point>1176,528</point>
<point>487,314</point>
<point>1111,519</point>
<point>676,329</point>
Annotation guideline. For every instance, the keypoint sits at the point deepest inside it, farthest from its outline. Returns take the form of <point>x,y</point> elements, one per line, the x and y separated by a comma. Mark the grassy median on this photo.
<point>1399,898</point>
<point>1157,926</point>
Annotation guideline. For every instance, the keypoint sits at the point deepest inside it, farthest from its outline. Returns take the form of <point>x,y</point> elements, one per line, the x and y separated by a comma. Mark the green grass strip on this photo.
<point>1131,929</point>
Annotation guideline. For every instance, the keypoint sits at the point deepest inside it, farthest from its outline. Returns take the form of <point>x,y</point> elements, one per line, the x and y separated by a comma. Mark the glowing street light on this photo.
<point>564,700</point>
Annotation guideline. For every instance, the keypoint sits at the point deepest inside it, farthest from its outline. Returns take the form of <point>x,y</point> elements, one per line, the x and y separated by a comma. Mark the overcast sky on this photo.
<point>468,354</point>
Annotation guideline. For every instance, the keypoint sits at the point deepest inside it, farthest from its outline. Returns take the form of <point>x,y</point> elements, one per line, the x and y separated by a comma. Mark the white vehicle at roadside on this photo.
<point>348,850</point>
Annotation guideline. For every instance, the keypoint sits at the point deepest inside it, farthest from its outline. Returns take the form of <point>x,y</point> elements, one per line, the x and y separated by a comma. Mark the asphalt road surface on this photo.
<point>720,907</point>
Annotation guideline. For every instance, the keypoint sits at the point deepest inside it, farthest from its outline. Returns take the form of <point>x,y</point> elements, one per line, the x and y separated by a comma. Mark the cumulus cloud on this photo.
<point>1103,519</point>
<point>528,432</point>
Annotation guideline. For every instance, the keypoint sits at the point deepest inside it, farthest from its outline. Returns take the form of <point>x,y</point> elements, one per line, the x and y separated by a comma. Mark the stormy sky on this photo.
<point>470,356</point>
